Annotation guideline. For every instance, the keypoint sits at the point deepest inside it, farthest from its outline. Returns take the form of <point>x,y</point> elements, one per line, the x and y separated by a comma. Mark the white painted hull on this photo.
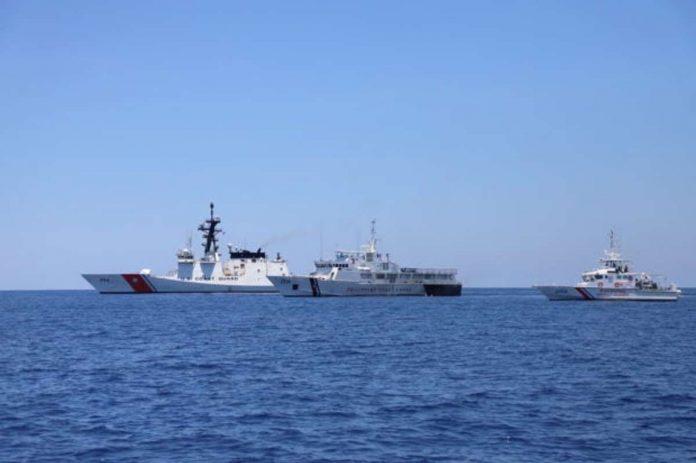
<point>589,293</point>
<point>128,283</point>
<point>303,286</point>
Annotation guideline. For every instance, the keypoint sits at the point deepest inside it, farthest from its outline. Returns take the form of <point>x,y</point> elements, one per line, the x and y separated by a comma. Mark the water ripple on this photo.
<point>496,375</point>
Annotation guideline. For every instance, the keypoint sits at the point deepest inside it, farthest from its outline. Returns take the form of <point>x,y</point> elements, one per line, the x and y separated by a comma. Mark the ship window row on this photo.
<point>330,265</point>
<point>606,277</point>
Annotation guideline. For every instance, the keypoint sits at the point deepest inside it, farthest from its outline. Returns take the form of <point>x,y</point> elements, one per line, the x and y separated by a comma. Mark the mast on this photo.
<point>613,257</point>
<point>210,232</point>
<point>612,240</point>
<point>373,239</point>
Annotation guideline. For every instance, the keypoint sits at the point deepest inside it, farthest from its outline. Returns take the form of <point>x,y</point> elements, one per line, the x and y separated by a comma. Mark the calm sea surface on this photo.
<point>495,375</point>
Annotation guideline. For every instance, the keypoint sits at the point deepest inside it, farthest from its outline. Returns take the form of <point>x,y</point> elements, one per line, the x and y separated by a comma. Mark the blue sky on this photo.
<point>500,138</point>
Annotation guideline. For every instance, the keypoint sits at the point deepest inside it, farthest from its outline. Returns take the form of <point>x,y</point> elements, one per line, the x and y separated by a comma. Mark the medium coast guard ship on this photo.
<point>367,272</point>
<point>614,280</point>
<point>244,272</point>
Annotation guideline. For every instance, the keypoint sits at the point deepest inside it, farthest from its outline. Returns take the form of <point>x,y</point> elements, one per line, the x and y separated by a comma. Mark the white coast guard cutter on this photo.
<point>614,280</point>
<point>244,272</point>
<point>368,272</point>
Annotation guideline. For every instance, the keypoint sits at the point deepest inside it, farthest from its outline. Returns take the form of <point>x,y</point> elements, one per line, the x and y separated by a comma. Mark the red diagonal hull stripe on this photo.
<point>137,282</point>
<point>583,293</point>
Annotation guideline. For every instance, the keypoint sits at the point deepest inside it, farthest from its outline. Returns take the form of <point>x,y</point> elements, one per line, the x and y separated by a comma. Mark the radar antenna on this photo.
<point>210,232</point>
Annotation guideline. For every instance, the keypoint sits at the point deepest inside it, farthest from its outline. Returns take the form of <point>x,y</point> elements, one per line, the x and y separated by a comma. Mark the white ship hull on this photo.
<point>303,286</point>
<point>589,293</point>
<point>128,283</point>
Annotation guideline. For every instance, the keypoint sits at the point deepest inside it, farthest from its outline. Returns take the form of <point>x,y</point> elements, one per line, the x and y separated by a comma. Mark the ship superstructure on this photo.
<point>614,279</point>
<point>368,272</point>
<point>244,272</point>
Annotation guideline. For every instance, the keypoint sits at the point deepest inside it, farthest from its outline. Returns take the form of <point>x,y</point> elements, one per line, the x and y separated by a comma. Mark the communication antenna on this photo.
<point>612,240</point>
<point>373,236</point>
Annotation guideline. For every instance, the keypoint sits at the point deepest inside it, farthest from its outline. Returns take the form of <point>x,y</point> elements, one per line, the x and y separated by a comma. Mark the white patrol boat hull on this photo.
<point>128,283</point>
<point>591,293</point>
<point>304,286</point>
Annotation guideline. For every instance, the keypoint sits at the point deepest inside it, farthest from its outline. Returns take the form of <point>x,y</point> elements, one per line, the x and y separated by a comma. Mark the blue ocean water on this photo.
<point>492,376</point>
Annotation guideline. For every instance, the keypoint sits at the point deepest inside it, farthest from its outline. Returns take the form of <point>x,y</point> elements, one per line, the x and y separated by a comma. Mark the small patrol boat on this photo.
<point>244,272</point>
<point>614,280</point>
<point>367,272</point>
